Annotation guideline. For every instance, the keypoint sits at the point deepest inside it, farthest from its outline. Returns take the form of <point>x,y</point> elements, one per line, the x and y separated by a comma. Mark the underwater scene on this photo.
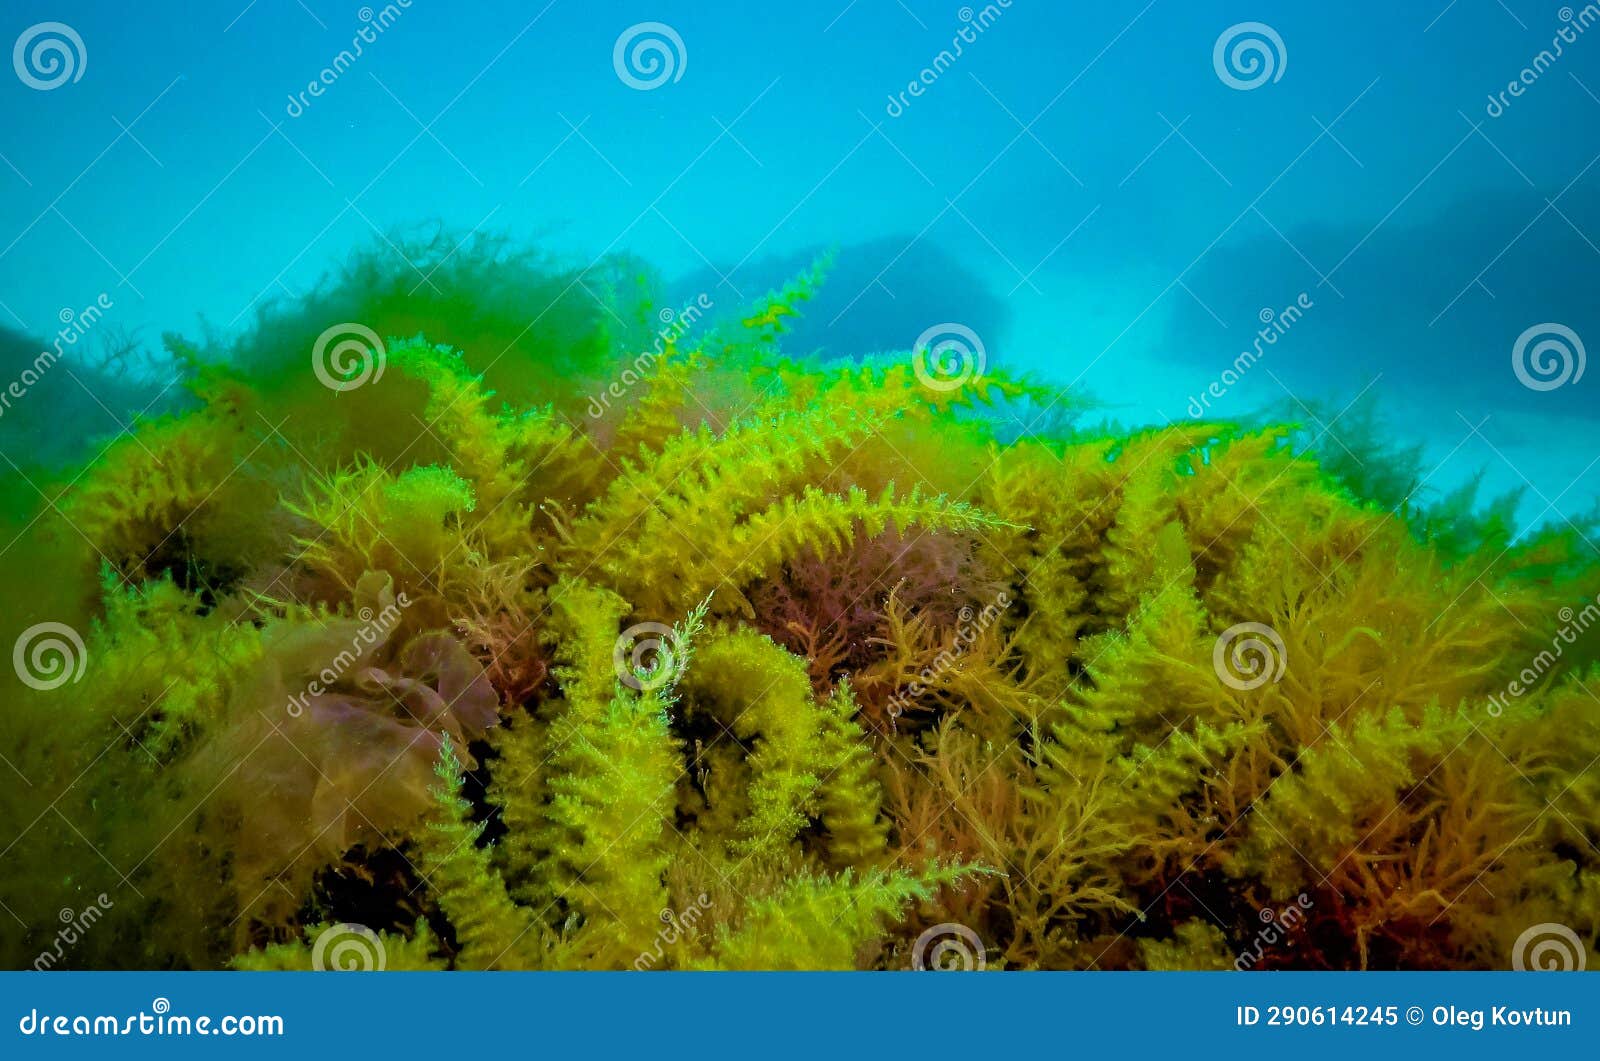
<point>853,485</point>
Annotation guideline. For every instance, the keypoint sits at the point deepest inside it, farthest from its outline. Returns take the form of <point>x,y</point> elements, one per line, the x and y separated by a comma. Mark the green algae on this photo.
<point>832,658</point>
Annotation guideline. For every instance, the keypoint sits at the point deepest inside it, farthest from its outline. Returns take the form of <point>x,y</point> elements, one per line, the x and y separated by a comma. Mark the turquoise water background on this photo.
<point>1082,187</point>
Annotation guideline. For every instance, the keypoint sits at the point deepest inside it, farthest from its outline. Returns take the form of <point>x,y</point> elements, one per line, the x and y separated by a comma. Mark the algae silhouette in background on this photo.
<point>879,295</point>
<point>778,663</point>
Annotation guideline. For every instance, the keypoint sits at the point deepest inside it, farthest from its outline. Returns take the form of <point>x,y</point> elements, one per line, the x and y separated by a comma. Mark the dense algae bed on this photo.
<point>940,664</point>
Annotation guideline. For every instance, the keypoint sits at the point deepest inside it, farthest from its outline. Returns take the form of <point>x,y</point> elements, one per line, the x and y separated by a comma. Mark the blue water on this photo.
<point>1081,187</point>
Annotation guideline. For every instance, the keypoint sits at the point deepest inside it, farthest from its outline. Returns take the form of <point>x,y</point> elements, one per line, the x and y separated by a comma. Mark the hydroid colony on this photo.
<point>767,663</point>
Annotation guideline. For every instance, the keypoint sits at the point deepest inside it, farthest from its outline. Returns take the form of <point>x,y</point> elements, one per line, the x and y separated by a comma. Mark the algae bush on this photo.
<point>463,615</point>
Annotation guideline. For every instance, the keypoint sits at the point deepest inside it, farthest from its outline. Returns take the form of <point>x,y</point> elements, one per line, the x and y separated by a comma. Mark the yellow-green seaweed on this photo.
<point>912,659</point>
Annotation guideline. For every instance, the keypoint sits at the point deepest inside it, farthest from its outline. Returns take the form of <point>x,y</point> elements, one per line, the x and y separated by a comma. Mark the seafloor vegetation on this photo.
<point>770,664</point>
